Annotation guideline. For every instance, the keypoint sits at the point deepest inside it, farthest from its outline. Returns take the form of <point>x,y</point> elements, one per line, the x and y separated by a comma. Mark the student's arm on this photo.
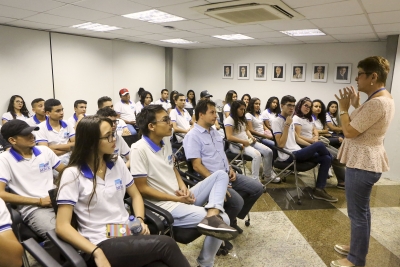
<point>199,168</point>
<point>138,206</point>
<point>250,128</point>
<point>21,200</point>
<point>4,121</point>
<point>126,132</point>
<point>226,113</point>
<point>217,125</point>
<point>297,128</point>
<point>267,124</point>
<point>178,129</point>
<point>282,136</point>
<point>334,128</point>
<point>230,137</point>
<point>301,141</point>
<point>11,250</point>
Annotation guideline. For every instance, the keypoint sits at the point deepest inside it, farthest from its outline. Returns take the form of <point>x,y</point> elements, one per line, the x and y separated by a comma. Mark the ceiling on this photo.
<point>341,20</point>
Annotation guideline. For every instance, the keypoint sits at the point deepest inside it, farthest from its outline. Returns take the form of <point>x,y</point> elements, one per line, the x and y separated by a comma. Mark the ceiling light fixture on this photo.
<point>305,32</point>
<point>178,41</point>
<point>231,37</point>
<point>153,16</point>
<point>95,27</point>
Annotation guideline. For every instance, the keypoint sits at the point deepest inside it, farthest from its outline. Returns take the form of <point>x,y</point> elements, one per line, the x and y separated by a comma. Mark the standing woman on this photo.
<point>190,103</point>
<point>246,99</point>
<point>229,98</point>
<point>334,123</point>
<point>92,188</point>
<point>16,110</point>
<point>363,152</point>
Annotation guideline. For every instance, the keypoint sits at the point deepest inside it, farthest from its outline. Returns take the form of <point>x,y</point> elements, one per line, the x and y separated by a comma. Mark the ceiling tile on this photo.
<point>272,34</point>
<point>355,20</point>
<point>315,38</point>
<point>32,25</point>
<point>214,22</point>
<point>348,30</point>
<point>182,34</point>
<point>54,20</point>
<point>359,40</point>
<point>213,31</point>
<point>159,3</point>
<point>247,28</point>
<point>320,41</point>
<point>5,20</point>
<point>37,5</point>
<point>187,25</point>
<point>130,32</point>
<point>283,40</point>
<point>305,3</point>
<point>224,43</point>
<point>152,27</point>
<point>184,10</point>
<point>282,25</point>
<point>343,8</point>
<point>67,1</point>
<point>381,5</point>
<point>360,36</point>
<point>385,17</point>
<point>202,39</point>
<point>122,22</point>
<point>155,37</point>
<point>387,27</point>
<point>11,12</point>
<point>251,42</point>
<point>76,12</point>
<point>118,7</point>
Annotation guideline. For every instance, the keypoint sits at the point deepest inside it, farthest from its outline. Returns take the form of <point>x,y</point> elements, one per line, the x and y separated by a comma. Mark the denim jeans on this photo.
<point>318,153</point>
<point>131,129</point>
<point>270,144</point>
<point>358,191</point>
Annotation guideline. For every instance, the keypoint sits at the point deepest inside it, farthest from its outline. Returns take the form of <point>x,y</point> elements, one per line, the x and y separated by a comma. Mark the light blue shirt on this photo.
<point>207,146</point>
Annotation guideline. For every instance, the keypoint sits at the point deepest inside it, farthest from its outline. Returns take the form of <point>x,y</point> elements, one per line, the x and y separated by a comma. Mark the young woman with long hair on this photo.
<point>303,121</point>
<point>92,188</point>
<point>16,110</point>
<point>272,109</point>
<point>172,98</point>
<point>229,98</point>
<point>246,99</point>
<point>146,98</point>
<point>236,131</point>
<point>333,113</point>
<point>190,103</point>
<point>255,122</point>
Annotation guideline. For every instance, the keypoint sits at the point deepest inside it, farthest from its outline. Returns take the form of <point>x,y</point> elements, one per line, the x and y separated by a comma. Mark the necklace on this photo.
<point>374,93</point>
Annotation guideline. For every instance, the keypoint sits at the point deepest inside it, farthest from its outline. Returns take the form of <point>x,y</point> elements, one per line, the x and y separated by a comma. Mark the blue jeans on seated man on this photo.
<point>131,129</point>
<point>317,153</point>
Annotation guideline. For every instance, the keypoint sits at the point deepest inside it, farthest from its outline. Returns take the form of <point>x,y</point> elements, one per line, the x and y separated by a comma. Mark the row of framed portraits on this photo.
<point>297,72</point>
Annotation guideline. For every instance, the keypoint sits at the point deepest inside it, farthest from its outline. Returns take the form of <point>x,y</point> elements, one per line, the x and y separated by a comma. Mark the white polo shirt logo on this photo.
<point>170,159</point>
<point>118,184</point>
<point>44,167</point>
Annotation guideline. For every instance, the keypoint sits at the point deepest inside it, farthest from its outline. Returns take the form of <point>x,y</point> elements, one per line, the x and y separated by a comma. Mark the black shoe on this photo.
<point>321,194</point>
<point>227,245</point>
<point>341,186</point>
<point>216,227</point>
<point>240,230</point>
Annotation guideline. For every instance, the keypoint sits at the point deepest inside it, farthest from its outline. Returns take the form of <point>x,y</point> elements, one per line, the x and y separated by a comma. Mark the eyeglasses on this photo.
<point>306,106</point>
<point>19,101</point>
<point>115,122</point>
<point>290,105</point>
<point>109,138</point>
<point>361,73</point>
<point>165,119</point>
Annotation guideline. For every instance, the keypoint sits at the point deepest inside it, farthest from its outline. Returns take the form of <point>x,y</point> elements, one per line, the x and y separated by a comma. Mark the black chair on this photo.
<point>39,254</point>
<point>130,139</point>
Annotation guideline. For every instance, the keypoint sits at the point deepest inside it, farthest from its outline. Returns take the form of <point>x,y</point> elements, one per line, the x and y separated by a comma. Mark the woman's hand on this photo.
<point>354,96</point>
<point>100,259</point>
<point>145,229</point>
<point>344,100</point>
<point>245,143</point>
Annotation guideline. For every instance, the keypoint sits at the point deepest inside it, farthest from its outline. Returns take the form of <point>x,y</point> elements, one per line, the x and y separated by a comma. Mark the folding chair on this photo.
<point>39,254</point>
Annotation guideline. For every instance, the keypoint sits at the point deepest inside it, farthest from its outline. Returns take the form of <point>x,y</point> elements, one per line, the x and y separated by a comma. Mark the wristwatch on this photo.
<point>342,112</point>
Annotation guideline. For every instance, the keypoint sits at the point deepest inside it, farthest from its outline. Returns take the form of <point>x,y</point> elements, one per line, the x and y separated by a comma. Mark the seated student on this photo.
<point>140,91</point>
<point>37,108</point>
<point>158,181</point>
<point>286,137</point>
<point>92,188</point>
<point>246,99</point>
<point>126,110</point>
<point>56,133</point>
<point>205,95</point>
<point>145,99</point>
<point>26,169</point>
<point>334,125</point>
<point>4,145</point>
<point>11,249</point>
<point>121,147</point>
<point>106,101</point>
<point>190,103</point>
<point>163,101</point>
<point>180,117</point>
<point>80,112</point>
<point>230,97</point>
<point>236,131</point>
<point>303,122</point>
<point>16,110</point>
<point>272,109</point>
<point>205,148</point>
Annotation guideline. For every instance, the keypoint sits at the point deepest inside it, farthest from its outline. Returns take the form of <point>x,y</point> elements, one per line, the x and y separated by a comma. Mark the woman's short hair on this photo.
<point>377,64</point>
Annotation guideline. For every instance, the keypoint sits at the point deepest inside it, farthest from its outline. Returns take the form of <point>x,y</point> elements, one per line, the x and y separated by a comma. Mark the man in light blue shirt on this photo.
<point>205,148</point>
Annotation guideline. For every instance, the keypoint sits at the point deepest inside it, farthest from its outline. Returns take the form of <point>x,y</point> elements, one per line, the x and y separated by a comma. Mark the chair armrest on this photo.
<point>156,209</point>
<point>237,145</point>
<point>192,176</point>
<point>285,152</point>
<point>39,253</point>
<point>180,135</point>
<point>67,250</point>
<point>237,169</point>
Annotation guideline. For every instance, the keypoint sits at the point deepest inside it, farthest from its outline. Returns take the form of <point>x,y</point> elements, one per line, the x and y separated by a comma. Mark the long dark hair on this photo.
<point>297,109</point>
<point>247,96</point>
<point>171,98</point>
<point>228,97</point>
<point>234,114</point>
<point>329,106</point>
<point>24,110</point>
<point>87,137</point>
<point>193,101</point>
<point>250,106</point>
<point>322,115</point>
<point>276,110</point>
<point>143,96</point>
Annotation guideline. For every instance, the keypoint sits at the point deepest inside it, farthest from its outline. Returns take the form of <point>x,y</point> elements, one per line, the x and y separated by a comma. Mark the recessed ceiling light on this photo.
<point>95,27</point>
<point>153,16</point>
<point>305,32</point>
<point>233,37</point>
<point>178,41</point>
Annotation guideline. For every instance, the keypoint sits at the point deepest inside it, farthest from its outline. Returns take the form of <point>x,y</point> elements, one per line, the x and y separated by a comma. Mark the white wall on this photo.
<point>25,66</point>
<point>179,82</point>
<point>393,135</point>
<point>204,68</point>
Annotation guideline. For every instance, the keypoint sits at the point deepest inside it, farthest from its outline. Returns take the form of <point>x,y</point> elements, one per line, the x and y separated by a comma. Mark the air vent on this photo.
<point>249,11</point>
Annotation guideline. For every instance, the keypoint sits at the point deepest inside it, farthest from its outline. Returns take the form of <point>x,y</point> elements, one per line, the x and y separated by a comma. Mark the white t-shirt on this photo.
<point>138,107</point>
<point>188,104</point>
<point>5,218</point>
<point>317,123</point>
<point>106,206</point>
<point>8,117</point>
<point>165,104</point>
<point>227,108</point>
<point>257,123</point>
<point>33,121</point>
<point>182,120</point>
<point>127,111</point>
<point>157,164</point>
<point>241,133</point>
<point>29,177</point>
<point>306,126</point>
<point>121,147</point>
<point>120,126</point>
<point>291,145</point>
<point>267,114</point>
<point>73,120</point>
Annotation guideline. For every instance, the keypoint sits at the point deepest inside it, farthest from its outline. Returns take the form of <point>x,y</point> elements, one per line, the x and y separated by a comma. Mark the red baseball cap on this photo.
<point>123,91</point>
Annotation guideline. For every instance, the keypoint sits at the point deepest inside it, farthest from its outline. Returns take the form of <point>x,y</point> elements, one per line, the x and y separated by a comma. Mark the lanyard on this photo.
<point>377,91</point>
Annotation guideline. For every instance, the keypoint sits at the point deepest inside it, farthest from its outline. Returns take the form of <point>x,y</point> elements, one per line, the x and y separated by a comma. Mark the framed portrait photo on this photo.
<point>243,71</point>
<point>298,73</point>
<point>260,72</point>
<point>342,73</point>
<point>320,73</point>
<point>278,72</point>
<point>227,71</point>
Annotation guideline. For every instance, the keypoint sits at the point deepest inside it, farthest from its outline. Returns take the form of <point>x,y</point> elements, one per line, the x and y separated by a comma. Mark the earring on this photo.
<point>372,83</point>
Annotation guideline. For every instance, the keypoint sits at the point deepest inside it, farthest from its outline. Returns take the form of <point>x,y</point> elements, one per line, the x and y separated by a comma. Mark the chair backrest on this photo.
<point>130,139</point>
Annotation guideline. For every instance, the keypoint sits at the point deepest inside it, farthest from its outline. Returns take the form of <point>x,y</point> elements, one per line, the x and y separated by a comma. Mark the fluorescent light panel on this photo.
<point>178,41</point>
<point>231,37</point>
<point>305,32</point>
<point>97,27</point>
<point>153,16</point>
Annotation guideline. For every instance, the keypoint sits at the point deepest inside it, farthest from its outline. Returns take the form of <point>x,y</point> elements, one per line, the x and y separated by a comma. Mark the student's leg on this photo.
<point>270,144</point>
<point>131,129</point>
<point>250,190</point>
<point>339,169</point>
<point>267,154</point>
<point>233,205</point>
<point>255,163</point>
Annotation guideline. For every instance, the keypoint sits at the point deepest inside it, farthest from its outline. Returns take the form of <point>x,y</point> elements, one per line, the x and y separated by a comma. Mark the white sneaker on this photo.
<point>275,179</point>
<point>330,172</point>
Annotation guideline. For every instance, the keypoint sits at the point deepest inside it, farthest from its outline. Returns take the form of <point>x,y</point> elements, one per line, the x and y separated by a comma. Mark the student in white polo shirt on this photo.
<point>126,109</point>
<point>145,99</point>
<point>106,101</point>
<point>93,187</point>
<point>11,249</point>
<point>121,147</point>
<point>163,101</point>
<point>27,170</point>
<point>16,110</point>
<point>39,113</point>
<point>55,133</point>
<point>180,117</point>
<point>80,112</point>
<point>158,181</point>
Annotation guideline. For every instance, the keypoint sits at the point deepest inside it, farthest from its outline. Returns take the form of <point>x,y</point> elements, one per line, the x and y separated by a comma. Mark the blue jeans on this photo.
<point>358,191</point>
<point>131,129</point>
<point>318,153</point>
<point>211,190</point>
<point>270,144</point>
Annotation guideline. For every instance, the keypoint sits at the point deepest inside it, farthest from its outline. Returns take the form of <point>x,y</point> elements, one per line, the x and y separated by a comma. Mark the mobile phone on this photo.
<point>117,230</point>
